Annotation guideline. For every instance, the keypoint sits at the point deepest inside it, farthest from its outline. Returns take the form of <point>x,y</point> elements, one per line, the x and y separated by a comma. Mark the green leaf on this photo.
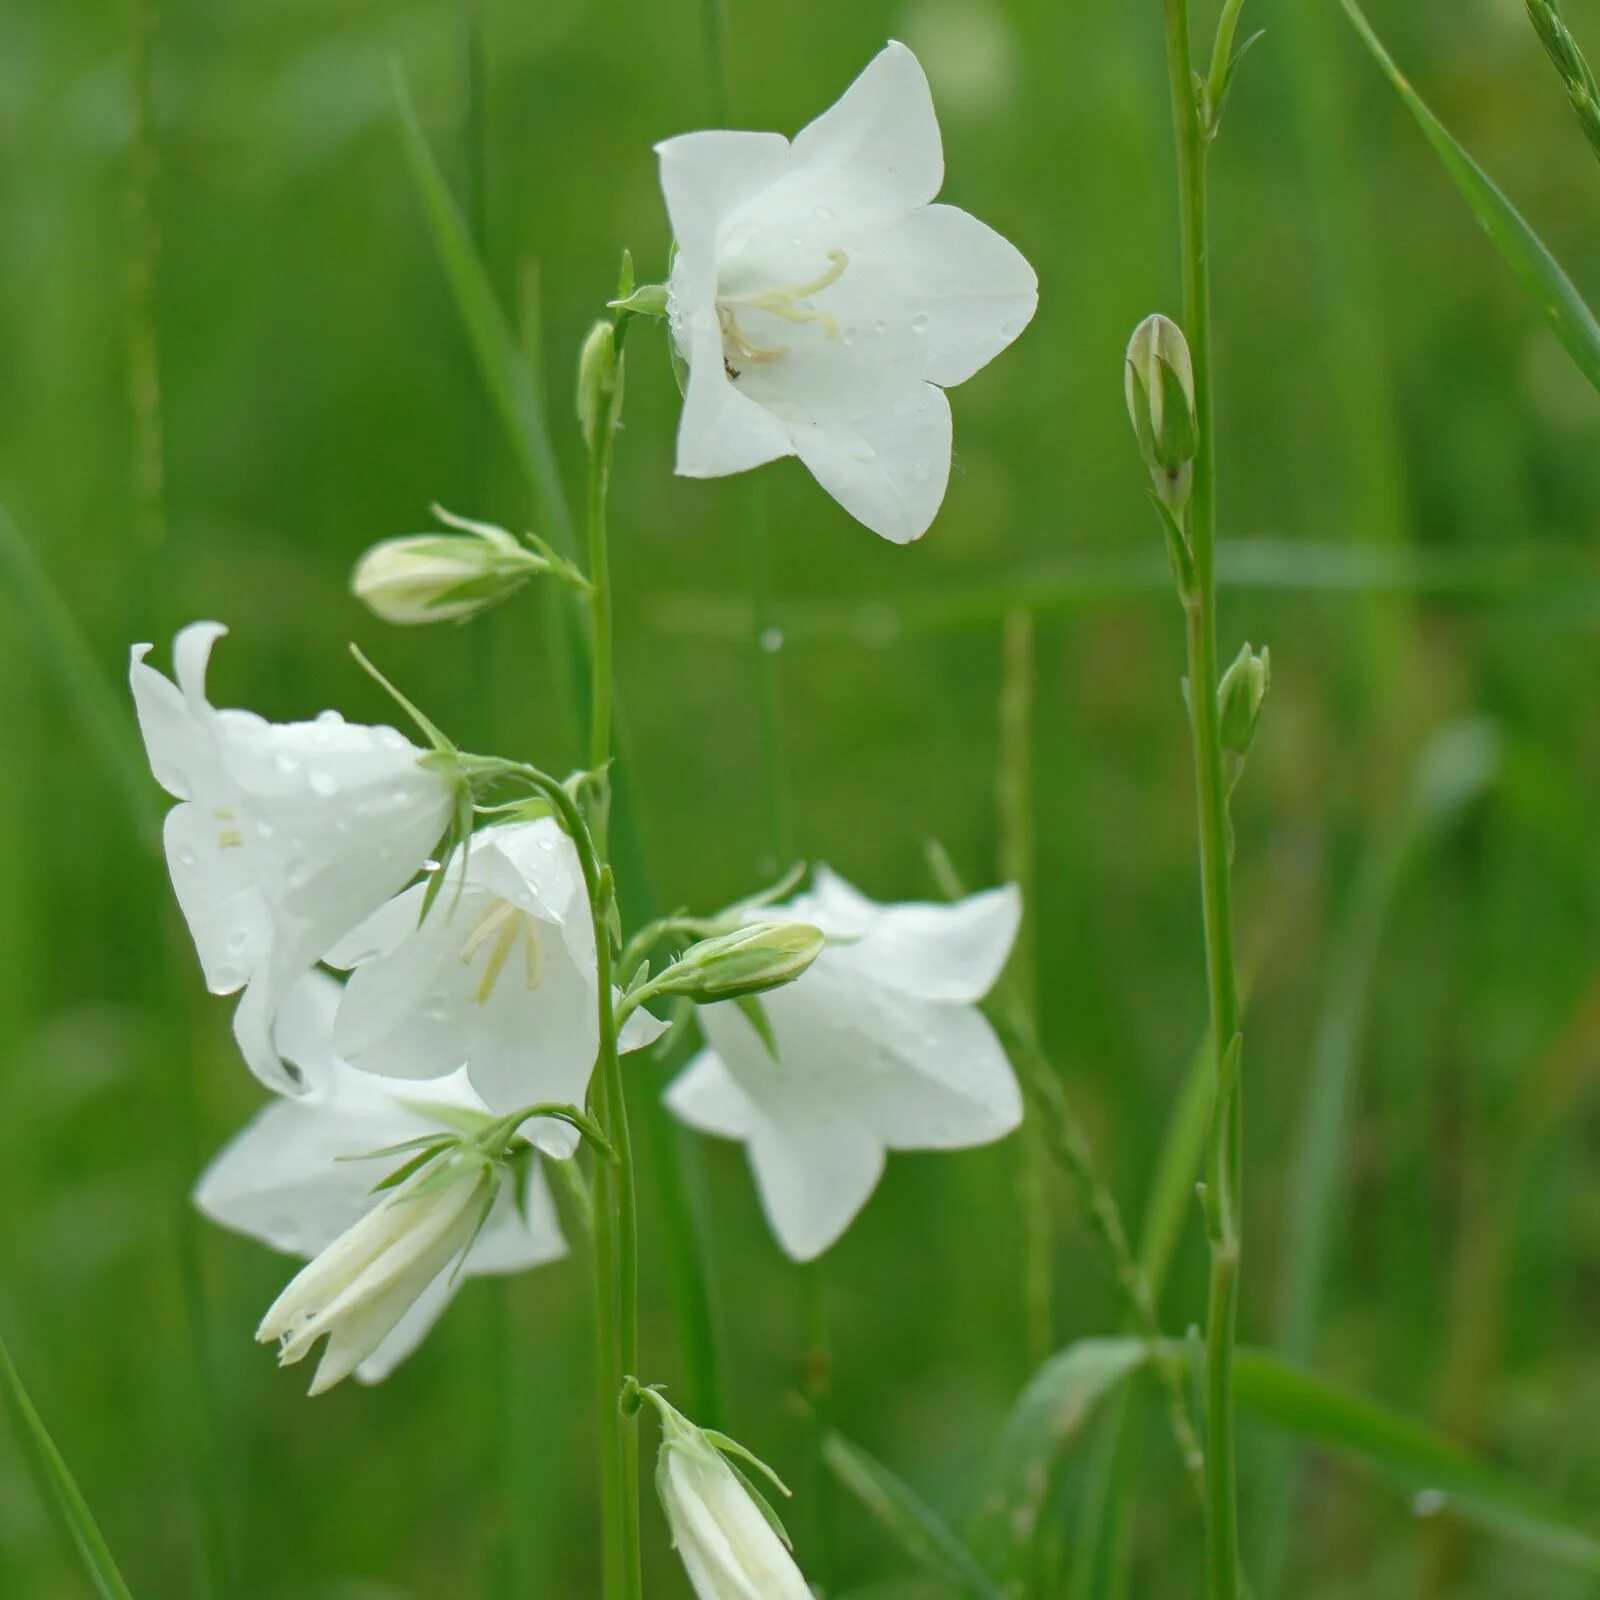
<point>57,1488</point>
<point>1412,1455</point>
<point>1539,273</point>
<point>922,1534</point>
<point>756,1015</point>
<point>505,371</point>
<point>1045,1423</point>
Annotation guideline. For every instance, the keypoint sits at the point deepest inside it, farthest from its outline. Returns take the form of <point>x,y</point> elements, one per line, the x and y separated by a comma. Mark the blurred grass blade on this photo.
<point>61,648</point>
<point>1412,1455</point>
<point>1539,273</point>
<point>511,384</point>
<point>57,1488</point>
<point>1045,1423</point>
<point>1453,769</point>
<point>922,1534</point>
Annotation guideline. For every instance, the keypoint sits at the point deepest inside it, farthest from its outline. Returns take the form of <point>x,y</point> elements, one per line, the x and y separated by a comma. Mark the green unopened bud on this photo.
<point>442,577</point>
<point>1158,379</point>
<point>598,377</point>
<point>748,961</point>
<point>1239,697</point>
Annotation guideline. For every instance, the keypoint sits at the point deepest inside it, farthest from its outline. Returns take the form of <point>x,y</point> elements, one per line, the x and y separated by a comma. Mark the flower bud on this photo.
<point>598,376</point>
<point>442,577</point>
<point>1158,380</point>
<point>360,1287</point>
<point>726,1534</point>
<point>748,961</point>
<point>1239,697</point>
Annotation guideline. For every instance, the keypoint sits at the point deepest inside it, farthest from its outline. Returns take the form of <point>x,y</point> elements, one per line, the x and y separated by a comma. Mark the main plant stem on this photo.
<point>1223,1167</point>
<point>616,1209</point>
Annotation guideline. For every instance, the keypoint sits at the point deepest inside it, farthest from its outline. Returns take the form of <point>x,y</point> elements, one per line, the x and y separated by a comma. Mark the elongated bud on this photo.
<point>598,376</point>
<point>748,961</point>
<point>1158,380</point>
<point>1239,698</point>
<point>442,577</point>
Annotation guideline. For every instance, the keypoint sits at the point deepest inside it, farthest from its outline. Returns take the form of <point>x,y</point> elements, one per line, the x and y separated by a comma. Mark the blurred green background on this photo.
<point>1407,450</point>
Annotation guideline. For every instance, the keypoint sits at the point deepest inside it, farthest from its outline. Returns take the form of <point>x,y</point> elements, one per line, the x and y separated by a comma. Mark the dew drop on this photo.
<point>186,857</point>
<point>824,214</point>
<point>332,719</point>
<point>299,874</point>
<point>324,784</point>
<point>880,327</point>
<point>919,323</point>
<point>287,764</point>
<point>772,640</point>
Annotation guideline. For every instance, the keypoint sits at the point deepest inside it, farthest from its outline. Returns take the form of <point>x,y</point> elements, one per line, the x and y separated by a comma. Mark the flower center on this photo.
<point>499,927</point>
<point>737,350</point>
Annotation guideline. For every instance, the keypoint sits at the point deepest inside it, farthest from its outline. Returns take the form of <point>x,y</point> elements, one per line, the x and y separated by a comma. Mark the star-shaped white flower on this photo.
<point>287,834</point>
<point>881,1046</point>
<point>824,304</point>
<point>499,976</point>
<point>290,1180</point>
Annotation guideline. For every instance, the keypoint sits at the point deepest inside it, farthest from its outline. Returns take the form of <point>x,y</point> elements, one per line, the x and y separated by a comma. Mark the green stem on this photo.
<point>816,1378</point>
<point>616,1206</point>
<point>1222,1517</point>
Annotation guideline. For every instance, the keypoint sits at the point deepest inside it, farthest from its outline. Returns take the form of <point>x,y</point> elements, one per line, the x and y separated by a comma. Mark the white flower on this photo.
<point>724,1539</point>
<point>500,976</point>
<point>824,305</point>
<point>881,1046</point>
<point>384,1270</point>
<point>288,834</point>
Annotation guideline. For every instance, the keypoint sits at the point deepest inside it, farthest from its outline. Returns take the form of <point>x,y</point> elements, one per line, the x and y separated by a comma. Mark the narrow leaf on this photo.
<point>1539,273</point>
<point>505,371</point>
<point>922,1534</point>
<point>1414,1456</point>
<point>57,1487</point>
<point>1045,1423</point>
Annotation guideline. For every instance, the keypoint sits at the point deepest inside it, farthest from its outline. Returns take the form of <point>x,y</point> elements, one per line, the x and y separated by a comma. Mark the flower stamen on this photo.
<point>784,303</point>
<point>500,926</point>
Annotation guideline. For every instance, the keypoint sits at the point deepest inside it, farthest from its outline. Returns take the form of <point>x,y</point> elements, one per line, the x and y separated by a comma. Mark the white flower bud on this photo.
<point>728,1539</point>
<point>442,577</point>
<point>1158,380</point>
<point>360,1287</point>
<point>747,961</point>
<point>599,373</point>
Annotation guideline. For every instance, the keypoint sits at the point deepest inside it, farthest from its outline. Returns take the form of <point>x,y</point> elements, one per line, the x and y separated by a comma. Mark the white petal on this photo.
<point>814,1175</point>
<point>178,746</point>
<point>876,152</point>
<point>885,459</point>
<point>722,430</point>
<point>191,656</point>
<point>706,1096</point>
<point>254,1020</point>
<point>937,952</point>
<point>228,916</point>
<point>640,1030</point>
<point>304,1031</point>
<point>402,1338</point>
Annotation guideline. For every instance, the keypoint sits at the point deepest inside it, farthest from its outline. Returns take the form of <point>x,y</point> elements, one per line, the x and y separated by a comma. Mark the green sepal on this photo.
<point>756,1015</point>
<point>410,1168</point>
<point>732,1447</point>
<point>1178,551</point>
<point>762,1504</point>
<point>1226,88</point>
<point>648,300</point>
<point>441,745</point>
<point>568,1178</point>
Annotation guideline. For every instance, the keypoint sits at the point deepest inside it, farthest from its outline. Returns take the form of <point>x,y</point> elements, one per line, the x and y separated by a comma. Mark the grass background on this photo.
<point>1390,411</point>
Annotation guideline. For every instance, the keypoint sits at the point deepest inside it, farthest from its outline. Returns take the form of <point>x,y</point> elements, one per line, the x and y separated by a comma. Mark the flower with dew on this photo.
<point>824,304</point>
<point>286,835</point>
<point>731,1544</point>
<point>499,976</point>
<point>383,1269</point>
<point>879,1046</point>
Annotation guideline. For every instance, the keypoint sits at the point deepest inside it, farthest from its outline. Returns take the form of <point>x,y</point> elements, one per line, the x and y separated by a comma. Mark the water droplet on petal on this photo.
<point>287,764</point>
<point>880,327</point>
<point>919,323</point>
<point>772,640</point>
<point>186,857</point>
<point>824,214</point>
<point>299,874</point>
<point>331,719</point>
<point>324,784</point>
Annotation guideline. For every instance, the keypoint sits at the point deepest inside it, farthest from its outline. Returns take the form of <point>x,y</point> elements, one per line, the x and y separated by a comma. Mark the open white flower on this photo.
<point>824,304</point>
<point>880,1046</point>
<point>287,834</point>
<point>500,976</point>
<point>725,1539</point>
<point>384,1269</point>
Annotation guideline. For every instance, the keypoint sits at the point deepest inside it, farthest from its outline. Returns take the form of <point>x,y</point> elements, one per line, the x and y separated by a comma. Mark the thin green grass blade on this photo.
<point>57,1487</point>
<point>65,653</point>
<point>511,384</point>
<point>1539,273</point>
<point>921,1533</point>
<point>1048,1419</point>
<point>1413,1456</point>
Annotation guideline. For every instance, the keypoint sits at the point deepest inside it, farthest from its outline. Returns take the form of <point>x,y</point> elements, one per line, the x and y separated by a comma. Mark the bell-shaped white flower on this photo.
<point>824,304</point>
<point>880,1046</point>
<point>384,1269</point>
<point>499,976</point>
<point>286,836</point>
<point>724,1536</point>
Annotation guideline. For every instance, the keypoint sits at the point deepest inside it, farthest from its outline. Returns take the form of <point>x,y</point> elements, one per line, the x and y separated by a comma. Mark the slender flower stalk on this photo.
<point>1223,1164</point>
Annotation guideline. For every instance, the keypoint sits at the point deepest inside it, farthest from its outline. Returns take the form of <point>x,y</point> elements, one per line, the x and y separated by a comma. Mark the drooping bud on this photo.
<point>1239,696</point>
<point>727,1535</point>
<point>748,961</point>
<point>599,373</point>
<point>442,577</point>
<point>1158,380</point>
